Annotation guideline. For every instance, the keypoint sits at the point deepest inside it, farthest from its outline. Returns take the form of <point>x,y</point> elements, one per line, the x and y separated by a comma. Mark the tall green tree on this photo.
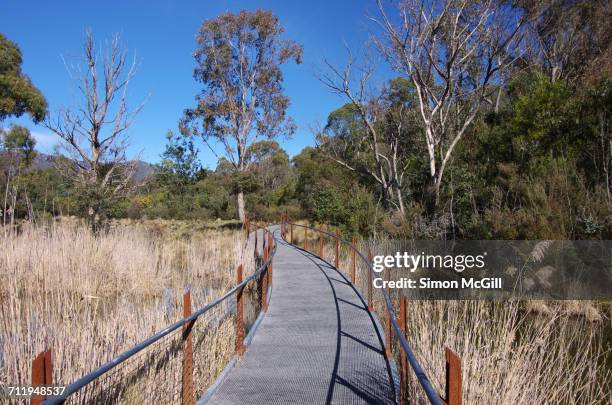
<point>16,153</point>
<point>238,62</point>
<point>19,142</point>
<point>17,93</point>
<point>180,165</point>
<point>372,134</point>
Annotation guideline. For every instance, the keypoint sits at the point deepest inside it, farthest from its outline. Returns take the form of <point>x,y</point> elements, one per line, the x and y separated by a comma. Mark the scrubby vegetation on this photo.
<point>535,169</point>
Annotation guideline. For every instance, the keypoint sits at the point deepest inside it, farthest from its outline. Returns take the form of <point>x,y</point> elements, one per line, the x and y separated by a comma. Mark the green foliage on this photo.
<point>179,166</point>
<point>17,93</point>
<point>180,158</point>
<point>238,62</point>
<point>19,144</point>
<point>331,194</point>
<point>45,193</point>
<point>537,168</point>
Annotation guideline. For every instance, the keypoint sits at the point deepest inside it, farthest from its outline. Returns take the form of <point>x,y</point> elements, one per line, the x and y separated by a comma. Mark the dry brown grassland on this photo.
<point>513,352</point>
<point>90,297</point>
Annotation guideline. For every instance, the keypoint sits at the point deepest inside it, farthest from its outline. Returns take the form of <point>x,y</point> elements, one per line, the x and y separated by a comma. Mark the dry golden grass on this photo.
<point>90,297</point>
<point>512,352</point>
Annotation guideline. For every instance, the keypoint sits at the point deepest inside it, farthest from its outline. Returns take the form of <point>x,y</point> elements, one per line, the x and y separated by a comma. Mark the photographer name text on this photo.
<point>486,283</point>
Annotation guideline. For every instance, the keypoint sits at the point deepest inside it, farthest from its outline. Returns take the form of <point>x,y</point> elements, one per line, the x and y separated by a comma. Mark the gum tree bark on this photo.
<point>454,52</point>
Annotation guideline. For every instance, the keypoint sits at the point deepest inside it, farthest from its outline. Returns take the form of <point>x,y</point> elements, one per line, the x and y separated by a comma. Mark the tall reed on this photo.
<point>90,297</point>
<point>512,352</point>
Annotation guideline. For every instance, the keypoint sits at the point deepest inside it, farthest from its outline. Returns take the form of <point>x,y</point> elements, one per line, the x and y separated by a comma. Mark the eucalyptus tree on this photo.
<point>238,63</point>
<point>372,133</point>
<point>17,93</point>
<point>16,153</point>
<point>455,53</point>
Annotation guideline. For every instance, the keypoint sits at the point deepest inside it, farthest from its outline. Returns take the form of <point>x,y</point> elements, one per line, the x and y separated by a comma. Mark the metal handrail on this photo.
<point>431,393</point>
<point>88,378</point>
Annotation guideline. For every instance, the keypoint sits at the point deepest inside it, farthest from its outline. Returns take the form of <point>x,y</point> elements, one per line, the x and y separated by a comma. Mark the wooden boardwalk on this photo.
<point>317,344</point>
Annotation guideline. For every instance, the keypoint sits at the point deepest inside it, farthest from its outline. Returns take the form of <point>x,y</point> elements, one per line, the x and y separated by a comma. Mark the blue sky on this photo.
<point>161,34</point>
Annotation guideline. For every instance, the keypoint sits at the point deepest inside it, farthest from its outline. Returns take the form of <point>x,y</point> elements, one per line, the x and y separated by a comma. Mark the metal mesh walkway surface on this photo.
<point>317,344</point>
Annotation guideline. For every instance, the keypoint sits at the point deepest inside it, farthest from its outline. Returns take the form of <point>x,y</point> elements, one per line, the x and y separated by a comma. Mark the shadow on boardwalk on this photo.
<point>317,344</point>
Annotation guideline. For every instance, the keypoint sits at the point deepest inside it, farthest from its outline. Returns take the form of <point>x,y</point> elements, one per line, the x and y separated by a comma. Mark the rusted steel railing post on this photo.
<point>270,271</point>
<point>388,330</point>
<point>370,281</point>
<point>305,238</point>
<point>403,358</point>
<point>187,392</point>
<point>337,248</point>
<point>263,240</point>
<point>453,378</point>
<point>353,262</point>
<point>42,374</point>
<point>264,279</point>
<point>239,314</point>
<point>291,235</point>
<point>256,232</point>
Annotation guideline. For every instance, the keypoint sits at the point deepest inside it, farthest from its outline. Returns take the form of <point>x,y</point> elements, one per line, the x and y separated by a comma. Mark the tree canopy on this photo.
<point>17,93</point>
<point>238,62</point>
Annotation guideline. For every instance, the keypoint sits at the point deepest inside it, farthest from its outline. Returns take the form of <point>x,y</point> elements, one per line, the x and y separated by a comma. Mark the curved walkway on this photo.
<point>317,344</point>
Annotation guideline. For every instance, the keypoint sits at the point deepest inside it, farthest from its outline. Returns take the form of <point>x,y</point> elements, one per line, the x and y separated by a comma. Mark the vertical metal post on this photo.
<point>42,374</point>
<point>370,281</point>
<point>388,329</point>
<point>403,358</point>
<point>353,262</point>
<point>256,232</point>
<point>239,314</point>
<point>337,248</point>
<point>305,238</point>
<point>264,278</point>
<point>188,395</point>
<point>270,271</point>
<point>291,235</point>
<point>453,378</point>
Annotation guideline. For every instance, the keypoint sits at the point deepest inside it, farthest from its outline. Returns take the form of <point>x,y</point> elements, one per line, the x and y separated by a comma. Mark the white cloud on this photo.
<point>45,142</point>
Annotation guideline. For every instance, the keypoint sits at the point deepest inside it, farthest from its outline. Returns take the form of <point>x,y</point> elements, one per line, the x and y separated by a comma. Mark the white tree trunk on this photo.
<point>241,206</point>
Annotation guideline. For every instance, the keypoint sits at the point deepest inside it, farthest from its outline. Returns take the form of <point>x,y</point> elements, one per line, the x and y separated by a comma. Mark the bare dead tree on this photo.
<point>94,133</point>
<point>377,150</point>
<point>454,52</point>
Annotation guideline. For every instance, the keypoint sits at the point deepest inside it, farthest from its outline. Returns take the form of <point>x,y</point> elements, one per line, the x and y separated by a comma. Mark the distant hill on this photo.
<point>143,170</point>
<point>43,161</point>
